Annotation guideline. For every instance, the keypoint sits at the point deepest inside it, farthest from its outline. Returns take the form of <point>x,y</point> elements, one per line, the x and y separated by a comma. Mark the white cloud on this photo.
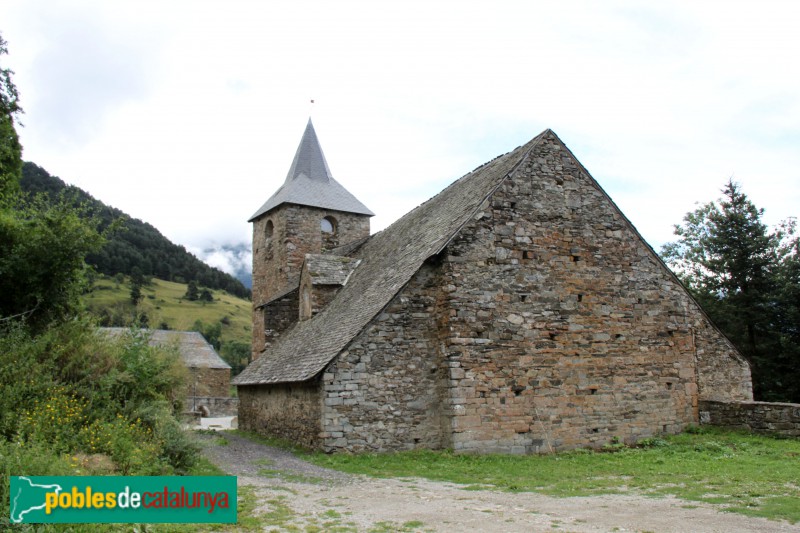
<point>187,114</point>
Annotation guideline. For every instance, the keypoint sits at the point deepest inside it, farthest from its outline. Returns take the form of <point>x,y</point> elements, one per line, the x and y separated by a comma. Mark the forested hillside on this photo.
<point>135,247</point>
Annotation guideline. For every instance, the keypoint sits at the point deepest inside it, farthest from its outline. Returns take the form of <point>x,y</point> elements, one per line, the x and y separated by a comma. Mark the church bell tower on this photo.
<point>310,213</point>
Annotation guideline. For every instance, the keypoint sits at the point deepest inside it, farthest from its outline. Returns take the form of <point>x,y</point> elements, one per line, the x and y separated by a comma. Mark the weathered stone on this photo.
<point>546,323</point>
<point>759,417</point>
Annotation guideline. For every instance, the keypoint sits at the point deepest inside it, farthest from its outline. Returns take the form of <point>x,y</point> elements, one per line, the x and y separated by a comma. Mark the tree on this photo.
<point>136,293</point>
<point>732,263</point>
<point>42,268</point>
<point>43,243</point>
<point>10,148</point>
<point>191,292</point>
<point>211,332</point>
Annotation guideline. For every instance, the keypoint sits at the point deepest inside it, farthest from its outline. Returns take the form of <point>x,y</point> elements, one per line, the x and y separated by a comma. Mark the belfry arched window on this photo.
<point>268,230</point>
<point>328,225</point>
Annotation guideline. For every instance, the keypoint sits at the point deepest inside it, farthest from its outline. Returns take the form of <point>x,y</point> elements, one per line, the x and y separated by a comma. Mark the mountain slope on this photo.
<point>136,245</point>
<point>223,319</point>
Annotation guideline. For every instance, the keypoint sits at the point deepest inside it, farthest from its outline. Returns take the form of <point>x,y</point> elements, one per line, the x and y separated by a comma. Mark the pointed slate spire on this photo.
<point>309,159</point>
<point>309,182</point>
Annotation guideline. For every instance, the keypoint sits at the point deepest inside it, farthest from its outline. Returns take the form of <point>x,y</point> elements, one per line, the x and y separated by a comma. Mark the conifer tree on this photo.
<point>737,270</point>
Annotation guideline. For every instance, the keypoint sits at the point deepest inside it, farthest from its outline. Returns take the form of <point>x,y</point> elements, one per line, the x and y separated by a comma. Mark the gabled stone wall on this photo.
<point>384,392</point>
<point>209,382</point>
<point>564,329</point>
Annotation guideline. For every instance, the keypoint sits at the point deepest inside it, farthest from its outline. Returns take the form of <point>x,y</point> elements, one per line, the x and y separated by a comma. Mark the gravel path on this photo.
<point>295,495</point>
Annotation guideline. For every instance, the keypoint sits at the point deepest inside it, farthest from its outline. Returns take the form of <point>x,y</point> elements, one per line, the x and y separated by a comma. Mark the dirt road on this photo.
<point>296,495</point>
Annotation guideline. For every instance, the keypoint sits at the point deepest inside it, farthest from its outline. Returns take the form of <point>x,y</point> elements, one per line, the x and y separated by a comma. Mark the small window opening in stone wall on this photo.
<point>553,336</point>
<point>580,297</point>
<point>669,385</point>
<point>523,297</point>
<point>269,229</point>
<point>328,225</point>
<point>595,430</point>
<point>527,254</point>
<point>593,390</point>
<point>576,258</point>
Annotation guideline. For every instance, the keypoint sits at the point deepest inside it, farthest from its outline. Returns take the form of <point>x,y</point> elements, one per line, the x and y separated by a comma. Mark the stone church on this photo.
<point>517,311</point>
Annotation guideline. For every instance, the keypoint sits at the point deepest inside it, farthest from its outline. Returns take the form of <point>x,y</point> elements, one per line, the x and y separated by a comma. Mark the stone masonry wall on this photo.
<point>758,417</point>
<point>278,316</point>
<point>314,298</point>
<point>384,391</point>
<point>720,378</point>
<point>209,382</point>
<point>217,406</point>
<point>564,330</point>
<point>278,259</point>
<point>289,411</point>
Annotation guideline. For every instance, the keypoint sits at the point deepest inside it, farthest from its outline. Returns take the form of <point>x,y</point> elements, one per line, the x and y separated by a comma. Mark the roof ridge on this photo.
<point>389,260</point>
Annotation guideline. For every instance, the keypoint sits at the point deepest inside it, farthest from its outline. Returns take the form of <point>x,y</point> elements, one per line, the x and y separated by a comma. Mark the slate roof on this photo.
<point>195,351</point>
<point>330,269</point>
<point>309,182</point>
<point>388,261</point>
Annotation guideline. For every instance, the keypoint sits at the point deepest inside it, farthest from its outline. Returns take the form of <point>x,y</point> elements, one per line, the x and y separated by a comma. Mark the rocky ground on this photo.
<point>295,495</point>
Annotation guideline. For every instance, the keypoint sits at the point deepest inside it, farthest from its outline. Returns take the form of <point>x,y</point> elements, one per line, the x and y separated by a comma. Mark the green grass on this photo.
<point>748,474</point>
<point>164,303</point>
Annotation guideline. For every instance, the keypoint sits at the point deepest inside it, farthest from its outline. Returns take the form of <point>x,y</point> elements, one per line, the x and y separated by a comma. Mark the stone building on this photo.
<point>516,311</point>
<point>209,374</point>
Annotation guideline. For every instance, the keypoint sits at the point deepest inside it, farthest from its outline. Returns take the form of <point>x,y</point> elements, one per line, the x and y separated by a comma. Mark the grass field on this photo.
<point>748,474</point>
<point>164,304</point>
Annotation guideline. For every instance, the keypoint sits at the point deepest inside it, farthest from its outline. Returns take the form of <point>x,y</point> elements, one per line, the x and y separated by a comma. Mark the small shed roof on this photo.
<point>330,269</point>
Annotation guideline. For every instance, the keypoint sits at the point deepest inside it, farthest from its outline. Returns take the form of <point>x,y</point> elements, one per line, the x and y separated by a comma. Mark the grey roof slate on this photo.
<point>195,351</point>
<point>329,269</point>
<point>388,261</point>
<point>309,182</point>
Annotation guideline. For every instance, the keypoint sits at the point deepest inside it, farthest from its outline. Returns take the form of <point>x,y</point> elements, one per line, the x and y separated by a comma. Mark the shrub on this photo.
<point>72,391</point>
<point>17,459</point>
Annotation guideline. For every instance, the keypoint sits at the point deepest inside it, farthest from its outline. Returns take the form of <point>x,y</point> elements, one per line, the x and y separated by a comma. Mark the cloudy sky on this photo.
<point>187,114</point>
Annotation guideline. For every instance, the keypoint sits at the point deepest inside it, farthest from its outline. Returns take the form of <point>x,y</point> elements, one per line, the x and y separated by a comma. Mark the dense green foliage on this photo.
<point>42,250</point>
<point>750,474</point>
<point>235,353</point>
<point>75,402</point>
<point>747,278</point>
<point>10,148</point>
<point>133,244</point>
<point>72,402</point>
